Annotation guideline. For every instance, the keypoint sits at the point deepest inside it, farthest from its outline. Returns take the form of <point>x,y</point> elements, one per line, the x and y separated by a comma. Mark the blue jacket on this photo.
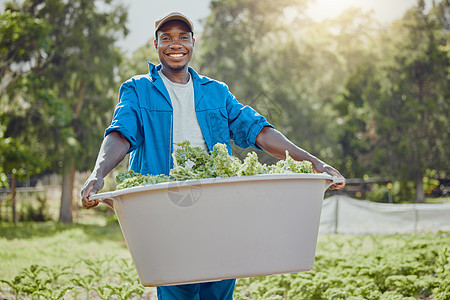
<point>144,116</point>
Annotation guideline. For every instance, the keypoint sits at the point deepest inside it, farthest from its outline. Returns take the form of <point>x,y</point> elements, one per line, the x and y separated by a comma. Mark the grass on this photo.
<point>437,200</point>
<point>94,252</point>
<point>51,244</point>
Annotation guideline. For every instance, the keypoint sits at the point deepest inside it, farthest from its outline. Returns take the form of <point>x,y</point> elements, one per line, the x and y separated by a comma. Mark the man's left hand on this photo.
<point>322,167</point>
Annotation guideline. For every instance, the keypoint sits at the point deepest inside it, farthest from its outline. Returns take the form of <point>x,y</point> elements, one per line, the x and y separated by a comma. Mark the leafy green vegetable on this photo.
<point>289,165</point>
<point>108,277</point>
<point>413,266</point>
<point>252,166</point>
<point>194,163</point>
<point>223,164</point>
<point>400,266</point>
<point>131,178</point>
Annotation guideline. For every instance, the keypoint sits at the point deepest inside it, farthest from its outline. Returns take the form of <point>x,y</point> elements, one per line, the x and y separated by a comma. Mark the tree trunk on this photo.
<point>13,199</point>
<point>420,195</point>
<point>65,212</point>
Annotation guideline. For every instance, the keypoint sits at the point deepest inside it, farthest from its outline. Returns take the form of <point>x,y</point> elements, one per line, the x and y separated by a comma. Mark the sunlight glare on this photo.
<point>383,10</point>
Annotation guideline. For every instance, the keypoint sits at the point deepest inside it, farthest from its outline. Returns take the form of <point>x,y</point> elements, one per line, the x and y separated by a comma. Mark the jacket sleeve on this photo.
<point>127,118</point>
<point>244,123</point>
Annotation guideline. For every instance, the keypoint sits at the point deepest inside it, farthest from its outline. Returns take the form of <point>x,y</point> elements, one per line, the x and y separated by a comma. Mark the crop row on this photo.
<point>106,278</point>
<point>414,266</point>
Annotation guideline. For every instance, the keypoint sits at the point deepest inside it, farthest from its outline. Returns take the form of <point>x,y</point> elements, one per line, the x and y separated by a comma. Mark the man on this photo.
<point>170,104</point>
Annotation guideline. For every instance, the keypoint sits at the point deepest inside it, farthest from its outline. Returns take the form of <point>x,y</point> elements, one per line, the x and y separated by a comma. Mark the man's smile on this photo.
<point>176,55</point>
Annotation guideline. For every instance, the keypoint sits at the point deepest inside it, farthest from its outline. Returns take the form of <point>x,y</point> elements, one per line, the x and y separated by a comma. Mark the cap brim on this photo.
<point>172,17</point>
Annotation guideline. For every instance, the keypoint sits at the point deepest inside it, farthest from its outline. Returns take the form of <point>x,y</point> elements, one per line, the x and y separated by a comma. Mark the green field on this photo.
<point>77,261</point>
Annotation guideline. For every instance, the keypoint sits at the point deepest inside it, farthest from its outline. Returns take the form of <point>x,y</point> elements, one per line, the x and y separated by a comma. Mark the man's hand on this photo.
<point>276,144</point>
<point>114,148</point>
<point>320,167</point>
<point>91,186</point>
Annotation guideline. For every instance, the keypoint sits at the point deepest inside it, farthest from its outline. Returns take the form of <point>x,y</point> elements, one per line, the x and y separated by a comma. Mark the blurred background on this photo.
<point>364,85</point>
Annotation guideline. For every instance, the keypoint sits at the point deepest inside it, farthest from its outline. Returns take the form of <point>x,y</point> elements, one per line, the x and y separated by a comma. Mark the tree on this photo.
<point>20,161</point>
<point>264,50</point>
<point>290,68</point>
<point>137,63</point>
<point>354,35</point>
<point>356,133</point>
<point>410,111</point>
<point>22,39</point>
<point>329,55</point>
<point>73,90</point>
<point>81,72</point>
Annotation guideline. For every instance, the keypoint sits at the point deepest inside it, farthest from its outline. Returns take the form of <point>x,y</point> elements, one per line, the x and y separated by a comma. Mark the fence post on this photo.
<point>14,198</point>
<point>416,217</point>
<point>336,214</point>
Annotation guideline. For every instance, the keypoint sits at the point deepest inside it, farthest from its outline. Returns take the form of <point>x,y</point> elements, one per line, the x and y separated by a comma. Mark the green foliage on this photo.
<point>395,192</point>
<point>289,165</point>
<point>105,278</point>
<point>393,109</point>
<point>58,65</point>
<point>66,261</point>
<point>363,267</point>
<point>136,179</point>
<point>222,163</point>
<point>22,37</point>
<point>411,266</point>
<point>18,158</point>
<point>190,162</point>
<point>194,163</point>
<point>429,181</point>
<point>35,212</point>
<point>252,166</point>
<point>279,75</point>
<point>137,63</point>
<point>369,99</point>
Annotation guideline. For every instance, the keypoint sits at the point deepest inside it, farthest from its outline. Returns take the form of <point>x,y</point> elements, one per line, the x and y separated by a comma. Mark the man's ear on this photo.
<point>155,42</point>
<point>193,41</point>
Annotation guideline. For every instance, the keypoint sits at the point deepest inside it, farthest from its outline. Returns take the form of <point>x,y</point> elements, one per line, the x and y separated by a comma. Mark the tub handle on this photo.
<point>109,201</point>
<point>334,180</point>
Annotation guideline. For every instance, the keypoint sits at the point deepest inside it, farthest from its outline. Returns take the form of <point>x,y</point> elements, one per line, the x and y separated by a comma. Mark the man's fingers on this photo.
<point>90,203</point>
<point>337,186</point>
<point>335,173</point>
<point>90,190</point>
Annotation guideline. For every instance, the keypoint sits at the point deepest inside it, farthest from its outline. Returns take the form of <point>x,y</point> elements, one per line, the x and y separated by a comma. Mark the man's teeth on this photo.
<point>175,55</point>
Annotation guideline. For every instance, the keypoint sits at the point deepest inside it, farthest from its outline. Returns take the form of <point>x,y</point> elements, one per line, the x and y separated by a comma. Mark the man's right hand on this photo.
<point>91,186</point>
<point>114,148</point>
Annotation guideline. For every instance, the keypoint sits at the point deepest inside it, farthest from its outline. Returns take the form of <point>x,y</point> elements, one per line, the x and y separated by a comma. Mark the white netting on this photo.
<point>342,214</point>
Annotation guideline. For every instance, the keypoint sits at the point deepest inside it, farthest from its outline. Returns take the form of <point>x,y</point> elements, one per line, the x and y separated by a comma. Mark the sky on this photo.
<point>143,13</point>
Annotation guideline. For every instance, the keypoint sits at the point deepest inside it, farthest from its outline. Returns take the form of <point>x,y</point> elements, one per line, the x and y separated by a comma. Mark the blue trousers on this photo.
<point>216,290</point>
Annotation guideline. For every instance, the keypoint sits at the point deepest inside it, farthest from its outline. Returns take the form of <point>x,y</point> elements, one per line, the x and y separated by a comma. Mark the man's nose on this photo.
<point>175,43</point>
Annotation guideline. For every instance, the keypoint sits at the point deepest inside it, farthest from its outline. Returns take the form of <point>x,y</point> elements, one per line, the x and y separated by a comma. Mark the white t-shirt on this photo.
<point>185,123</point>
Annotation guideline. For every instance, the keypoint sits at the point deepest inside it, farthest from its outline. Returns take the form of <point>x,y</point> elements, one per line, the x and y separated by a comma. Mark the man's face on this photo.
<point>175,45</point>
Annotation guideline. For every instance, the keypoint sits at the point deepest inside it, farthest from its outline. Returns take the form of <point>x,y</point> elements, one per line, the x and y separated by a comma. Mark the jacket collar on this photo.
<point>199,83</point>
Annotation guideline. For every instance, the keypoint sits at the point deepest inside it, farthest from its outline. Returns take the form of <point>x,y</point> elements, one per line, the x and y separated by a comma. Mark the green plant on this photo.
<point>414,266</point>
<point>194,163</point>
<point>429,181</point>
<point>404,266</point>
<point>395,192</point>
